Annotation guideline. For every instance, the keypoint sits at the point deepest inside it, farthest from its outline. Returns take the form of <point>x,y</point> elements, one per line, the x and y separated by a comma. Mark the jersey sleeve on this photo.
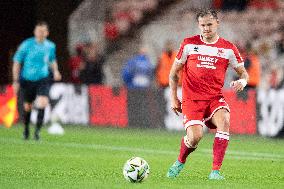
<point>181,55</point>
<point>235,58</point>
<point>52,55</point>
<point>20,53</point>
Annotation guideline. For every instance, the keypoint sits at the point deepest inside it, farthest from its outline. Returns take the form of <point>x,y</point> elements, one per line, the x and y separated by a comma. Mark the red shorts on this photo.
<point>201,111</point>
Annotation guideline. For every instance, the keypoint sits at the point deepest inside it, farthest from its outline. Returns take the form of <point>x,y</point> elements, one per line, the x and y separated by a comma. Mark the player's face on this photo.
<point>208,26</point>
<point>41,32</point>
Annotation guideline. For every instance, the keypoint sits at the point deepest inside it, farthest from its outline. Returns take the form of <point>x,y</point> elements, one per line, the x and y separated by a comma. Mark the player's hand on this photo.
<point>57,76</point>
<point>16,87</point>
<point>238,85</point>
<point>176,106</point>
<point>82,65</point>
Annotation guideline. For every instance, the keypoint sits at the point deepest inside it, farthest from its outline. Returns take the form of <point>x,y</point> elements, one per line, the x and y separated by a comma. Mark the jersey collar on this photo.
<point>211,42</point>
<point>40,43</point>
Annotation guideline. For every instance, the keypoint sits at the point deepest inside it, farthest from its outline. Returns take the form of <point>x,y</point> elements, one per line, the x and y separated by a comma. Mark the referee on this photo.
<point>32,62</point>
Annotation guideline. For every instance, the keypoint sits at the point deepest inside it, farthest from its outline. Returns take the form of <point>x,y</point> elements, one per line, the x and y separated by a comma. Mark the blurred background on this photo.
<point>115,57</point>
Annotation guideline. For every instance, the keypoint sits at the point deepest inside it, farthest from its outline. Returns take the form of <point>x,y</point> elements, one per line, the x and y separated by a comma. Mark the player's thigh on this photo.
<point>217,106</point>
<point>194,133</point>
<point>221,119</point>
<point>193,112</point>
<point>29,94</point>
<point>42,92</point>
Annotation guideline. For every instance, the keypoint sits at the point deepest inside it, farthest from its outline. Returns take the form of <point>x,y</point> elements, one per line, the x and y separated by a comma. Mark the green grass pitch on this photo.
<point>93,158</point>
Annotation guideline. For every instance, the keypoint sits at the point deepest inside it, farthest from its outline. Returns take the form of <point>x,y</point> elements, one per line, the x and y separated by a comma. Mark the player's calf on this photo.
<point>219,148</point>
<point>27,116</point>
<point>42,103</point>
<point>39,123</point>
<point>26,134</point>
<point>185,149</point>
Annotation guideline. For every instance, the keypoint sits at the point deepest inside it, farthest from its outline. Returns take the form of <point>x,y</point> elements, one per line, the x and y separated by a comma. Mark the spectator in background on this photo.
<point>280,41</point>
<point>239,5</point>
<point>253,67</point>
<point>263,4</point>
<point>74,64</point>
<point>138,71</point>
<point>92,66</point>
<point>110,29</point>
<point>165,63</point>
<point>111,33</point>
<point>121,15</point>
<point>275,78</point>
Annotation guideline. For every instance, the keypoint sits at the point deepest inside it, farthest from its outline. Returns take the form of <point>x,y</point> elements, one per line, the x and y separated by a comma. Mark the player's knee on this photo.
<point>197,138</point>
<point>189,142</point>
<point>194,134</point>
<point>27,107</point>
<point>194,139</point>
<point>42,102</point>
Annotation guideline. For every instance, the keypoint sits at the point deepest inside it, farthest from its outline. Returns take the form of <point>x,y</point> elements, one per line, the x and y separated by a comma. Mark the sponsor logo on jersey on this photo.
<point>207,62</point>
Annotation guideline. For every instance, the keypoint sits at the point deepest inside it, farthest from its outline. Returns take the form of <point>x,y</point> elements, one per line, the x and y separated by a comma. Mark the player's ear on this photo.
<point>217,20</point>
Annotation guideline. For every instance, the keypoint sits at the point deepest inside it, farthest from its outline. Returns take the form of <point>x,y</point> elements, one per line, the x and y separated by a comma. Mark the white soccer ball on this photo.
<point>136,169</point>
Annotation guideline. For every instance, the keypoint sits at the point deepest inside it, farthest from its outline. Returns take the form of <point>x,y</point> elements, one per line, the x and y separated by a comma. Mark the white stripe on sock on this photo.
<point>223,135</point>
<point>222,132</point>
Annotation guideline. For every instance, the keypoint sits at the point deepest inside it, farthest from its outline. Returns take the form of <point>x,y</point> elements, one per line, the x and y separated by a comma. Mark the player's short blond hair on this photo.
<point>204,12</point>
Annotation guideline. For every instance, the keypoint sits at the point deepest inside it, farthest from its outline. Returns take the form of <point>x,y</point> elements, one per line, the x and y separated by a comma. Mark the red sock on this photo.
<point>219,148</point>
<point>185,150</point>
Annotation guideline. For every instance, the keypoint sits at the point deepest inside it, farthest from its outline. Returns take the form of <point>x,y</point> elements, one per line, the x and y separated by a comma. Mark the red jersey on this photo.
<point>205,66</point>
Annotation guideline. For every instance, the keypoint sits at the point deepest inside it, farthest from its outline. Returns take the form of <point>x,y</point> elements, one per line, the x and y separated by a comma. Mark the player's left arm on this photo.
<point>56,73</point>
<point>54,65</point>
<point>237,63</point>
<point>240,84</point>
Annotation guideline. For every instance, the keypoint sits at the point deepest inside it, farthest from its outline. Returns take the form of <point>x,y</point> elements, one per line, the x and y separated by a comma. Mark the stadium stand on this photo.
<point>260,23</point>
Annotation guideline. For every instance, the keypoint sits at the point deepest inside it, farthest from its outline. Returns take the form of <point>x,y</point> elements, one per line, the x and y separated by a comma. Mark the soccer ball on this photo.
<point>136,169</point>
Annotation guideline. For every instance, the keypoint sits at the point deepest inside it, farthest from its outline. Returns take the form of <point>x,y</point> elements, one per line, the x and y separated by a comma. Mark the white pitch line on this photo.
<point>253,154</point>
<point>229,154</point>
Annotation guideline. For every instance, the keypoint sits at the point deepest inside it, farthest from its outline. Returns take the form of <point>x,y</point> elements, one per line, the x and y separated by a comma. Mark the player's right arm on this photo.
<point>54,65</point>
<point>174,77</point>
<point>17,61</point>
<point>173,82</point>
<point>16,72</point>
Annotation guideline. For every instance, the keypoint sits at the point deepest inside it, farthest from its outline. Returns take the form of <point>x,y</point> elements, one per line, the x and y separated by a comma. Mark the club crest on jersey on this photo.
<point>220,52</point>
